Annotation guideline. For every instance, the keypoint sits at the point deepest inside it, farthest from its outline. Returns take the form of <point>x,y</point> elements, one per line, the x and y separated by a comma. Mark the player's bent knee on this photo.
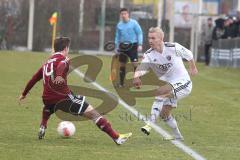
<point>164,91</point>
<point>163,116</point>
<point>165,112</point>
<point>91,113</point>
<point>89,108</point>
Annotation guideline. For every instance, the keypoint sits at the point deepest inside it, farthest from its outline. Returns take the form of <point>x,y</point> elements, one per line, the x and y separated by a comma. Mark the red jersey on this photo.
<point>57,65</point>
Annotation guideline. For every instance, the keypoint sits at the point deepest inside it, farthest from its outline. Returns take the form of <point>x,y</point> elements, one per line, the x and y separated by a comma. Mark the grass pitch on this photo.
<point>208,118</point>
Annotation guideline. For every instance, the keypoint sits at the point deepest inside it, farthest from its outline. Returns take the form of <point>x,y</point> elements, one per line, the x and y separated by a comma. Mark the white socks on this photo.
<point>156,109</point>
<point>172,123</point>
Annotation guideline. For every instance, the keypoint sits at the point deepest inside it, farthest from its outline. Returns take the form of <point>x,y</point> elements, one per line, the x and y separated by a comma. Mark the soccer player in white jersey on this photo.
<point>165,59</point>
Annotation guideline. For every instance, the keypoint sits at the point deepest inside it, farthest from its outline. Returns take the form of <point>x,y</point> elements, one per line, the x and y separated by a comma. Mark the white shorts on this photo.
<point>181,88</point>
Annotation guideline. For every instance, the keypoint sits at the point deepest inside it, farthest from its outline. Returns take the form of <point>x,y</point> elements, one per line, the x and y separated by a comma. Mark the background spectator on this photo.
<point>207,36</point>
<point>219,31</point>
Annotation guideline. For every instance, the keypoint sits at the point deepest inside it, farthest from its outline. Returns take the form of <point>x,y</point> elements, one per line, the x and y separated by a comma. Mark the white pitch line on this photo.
<point>157,128</point>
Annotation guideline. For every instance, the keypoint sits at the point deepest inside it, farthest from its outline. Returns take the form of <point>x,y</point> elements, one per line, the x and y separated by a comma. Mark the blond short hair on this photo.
<point>156,30</point>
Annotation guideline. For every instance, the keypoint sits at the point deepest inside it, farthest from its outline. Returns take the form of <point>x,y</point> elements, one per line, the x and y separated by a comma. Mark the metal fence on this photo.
<point>226,53</point>
<point>81,20</point>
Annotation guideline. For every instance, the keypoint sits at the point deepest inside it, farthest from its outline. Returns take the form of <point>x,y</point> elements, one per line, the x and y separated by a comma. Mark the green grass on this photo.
<point>212,128</point>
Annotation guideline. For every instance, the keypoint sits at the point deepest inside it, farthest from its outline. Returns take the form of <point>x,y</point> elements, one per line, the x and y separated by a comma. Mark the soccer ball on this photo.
<point>66,129</point>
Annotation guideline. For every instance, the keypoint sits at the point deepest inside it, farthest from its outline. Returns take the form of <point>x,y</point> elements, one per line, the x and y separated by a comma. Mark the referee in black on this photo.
<point>128,42</point>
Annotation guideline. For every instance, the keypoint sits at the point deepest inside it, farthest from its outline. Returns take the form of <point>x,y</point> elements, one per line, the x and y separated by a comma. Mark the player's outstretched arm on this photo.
<point>187,54</point>
<point>21,97</point>
<point>192,68</point>
<point>36,77</point>
<point>141,70</point>
<point>137,82</point>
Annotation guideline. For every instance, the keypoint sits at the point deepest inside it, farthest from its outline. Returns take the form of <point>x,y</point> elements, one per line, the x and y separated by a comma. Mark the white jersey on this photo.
<point>168,65</point>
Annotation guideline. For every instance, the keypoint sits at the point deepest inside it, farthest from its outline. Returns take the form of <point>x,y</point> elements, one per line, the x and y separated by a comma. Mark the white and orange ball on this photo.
<point>66,129</point>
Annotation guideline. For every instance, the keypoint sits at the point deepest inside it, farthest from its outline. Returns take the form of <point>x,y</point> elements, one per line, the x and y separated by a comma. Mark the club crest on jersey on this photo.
<point>169,58</point>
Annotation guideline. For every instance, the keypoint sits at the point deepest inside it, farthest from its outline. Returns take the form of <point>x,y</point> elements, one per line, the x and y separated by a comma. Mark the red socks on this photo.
<point>45,116</point>
<point>105,126</point>
<point>102,123</point>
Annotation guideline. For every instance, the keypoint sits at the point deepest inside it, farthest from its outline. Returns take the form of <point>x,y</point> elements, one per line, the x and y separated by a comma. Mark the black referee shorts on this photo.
<point>128,50</point>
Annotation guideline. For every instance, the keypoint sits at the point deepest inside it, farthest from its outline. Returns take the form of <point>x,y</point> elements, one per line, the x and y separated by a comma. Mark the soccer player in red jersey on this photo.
<point>56,90</point>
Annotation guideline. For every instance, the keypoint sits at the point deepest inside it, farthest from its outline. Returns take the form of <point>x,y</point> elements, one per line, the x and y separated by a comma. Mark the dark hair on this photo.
<point>209,19</point>
<point>61,43</point>
<point>123,10</point>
